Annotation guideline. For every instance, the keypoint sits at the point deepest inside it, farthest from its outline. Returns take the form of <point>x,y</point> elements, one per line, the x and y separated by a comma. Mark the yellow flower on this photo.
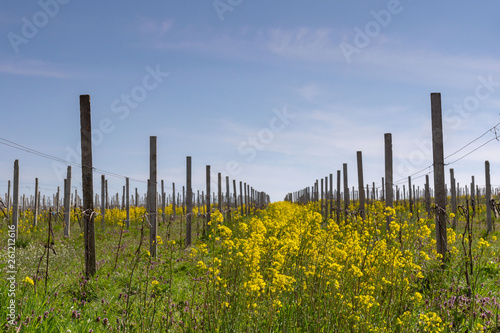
<point>201,265</point>
<point>28,280</point>
<point>155,283</point>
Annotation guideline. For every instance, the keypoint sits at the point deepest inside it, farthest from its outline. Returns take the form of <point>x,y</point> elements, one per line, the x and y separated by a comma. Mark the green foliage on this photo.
<point>221,286</point>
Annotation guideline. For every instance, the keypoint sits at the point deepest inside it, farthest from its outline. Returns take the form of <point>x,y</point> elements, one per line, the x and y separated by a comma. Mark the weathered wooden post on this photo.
<point>35,213</point>
<point>346,190</point>
<point>472,193</point>
<point>361,189</point>
<point>331,196</point>
<point>326,198</point>
<point>438,162</point>
<point>163,200</point>
<point>249,199</point>
<point>152,204</point>
<point>489,223</point>
<point>87,185</point>
<point>123,197</point>
<point>388,176</point>
<point>173,201</point>
<point>136,197</point>
<point>15,199</point>
<point>245,198</point>
<point>241,198</point>
<point>410,196</point>
<point>374,197</point>
<point>427,196</point>
<point>189,201</point>
<point>67,203</point>
<point>321,197</point>
<point>183,200</point>
<point>219,192</point>
<point>103,201</point>
<point>208,198</point>
<point>57,201</point>
<point>338,196</point>
<point>235,195</point>
<point>453,197</point>
<point>383,189</point>
<point>228,205</point>
<point>127,201</point>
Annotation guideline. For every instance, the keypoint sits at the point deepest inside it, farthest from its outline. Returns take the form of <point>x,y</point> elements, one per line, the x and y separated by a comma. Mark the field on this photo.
<point>285,268</point>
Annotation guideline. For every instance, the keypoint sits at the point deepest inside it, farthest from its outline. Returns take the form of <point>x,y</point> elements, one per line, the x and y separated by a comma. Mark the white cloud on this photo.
<point>310,91</point>
<point>303,43</point>
<point>155,27</point>
<point>29,67</point>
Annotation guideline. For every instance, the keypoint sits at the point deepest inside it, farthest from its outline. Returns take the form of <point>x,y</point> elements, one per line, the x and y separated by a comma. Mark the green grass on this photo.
<point>122,297</point>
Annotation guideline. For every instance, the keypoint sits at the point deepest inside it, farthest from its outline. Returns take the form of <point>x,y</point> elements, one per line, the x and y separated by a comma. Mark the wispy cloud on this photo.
<point>387,58</point>
<point>310,91</point>
<point>155,27</point>
<point>304,43</point>
<point>29,67</point>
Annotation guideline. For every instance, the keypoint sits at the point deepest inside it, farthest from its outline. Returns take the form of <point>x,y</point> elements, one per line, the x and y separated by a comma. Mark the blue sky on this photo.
<point>272,93</point>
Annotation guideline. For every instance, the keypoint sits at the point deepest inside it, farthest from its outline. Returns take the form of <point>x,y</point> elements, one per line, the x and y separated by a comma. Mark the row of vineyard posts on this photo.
<point>335,203</point>
<point>247,201</point>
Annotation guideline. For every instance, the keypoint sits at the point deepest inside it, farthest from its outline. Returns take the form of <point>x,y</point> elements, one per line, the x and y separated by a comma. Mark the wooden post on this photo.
<point>361,189</point>
<point>123,197</point>
<point>35,213</point>
<point>245,197</point>
<point>208,197</point>
<point>388,175</point>
<point>15,200</point>
<point>326,198</point>
<point>67,203</point>
<point>107,197</point>
<point>383,189</point>
<point>427,197</point>
<point>57,201</point>
<point>410,196</point>
<point>189,201</point>
<point>472,193</point>
<point>228,205</point>
<point>173,201</point>
<point>338,196</point>
<point>235,195</point>
<point>183,200</point>
<point>331,196</point>
<point>152,204</point>
<point>453,197</point>
<point>241,198</point>
<point>87,185</point>
<point>163,201</point>
<point>103,201</point>
<point>321,197</point>
<point>219,192</point>
<point>127,201</point>
<point>136,197</point>
<point>438,162</point>
<point>489,222</point>
<point>346,191</point>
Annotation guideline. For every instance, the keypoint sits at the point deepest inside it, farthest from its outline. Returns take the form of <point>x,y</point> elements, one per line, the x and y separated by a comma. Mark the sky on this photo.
<point>272,93</point>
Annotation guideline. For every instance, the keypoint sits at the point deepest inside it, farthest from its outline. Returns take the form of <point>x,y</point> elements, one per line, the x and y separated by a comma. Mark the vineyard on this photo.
<point>322,260</point>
